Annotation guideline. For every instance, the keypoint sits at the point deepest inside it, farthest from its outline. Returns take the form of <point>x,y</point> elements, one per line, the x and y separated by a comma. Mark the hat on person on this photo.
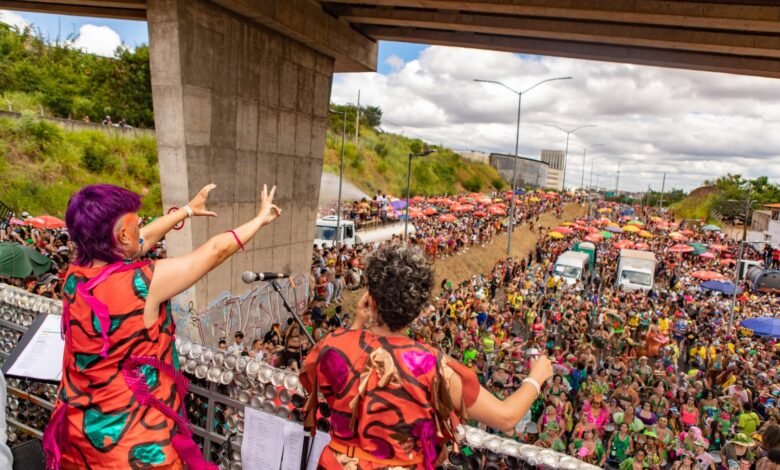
<point>650,433</point>
<point>742,440</point>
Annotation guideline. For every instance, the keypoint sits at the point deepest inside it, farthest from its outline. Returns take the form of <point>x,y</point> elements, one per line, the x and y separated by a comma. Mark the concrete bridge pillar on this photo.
<point>239,105</point>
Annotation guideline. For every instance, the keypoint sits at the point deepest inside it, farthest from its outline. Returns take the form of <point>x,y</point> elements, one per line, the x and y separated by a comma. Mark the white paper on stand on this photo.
<point>293,446</point>
<point>41,358</point>
<point>263,443</point>
<point>321,440</point>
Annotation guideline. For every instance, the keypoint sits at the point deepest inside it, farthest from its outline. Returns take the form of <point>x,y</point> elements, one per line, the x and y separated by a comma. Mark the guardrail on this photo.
<point>221,387</point>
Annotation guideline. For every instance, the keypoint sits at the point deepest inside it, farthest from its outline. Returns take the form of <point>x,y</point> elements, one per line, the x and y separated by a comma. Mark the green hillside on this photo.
<point>41,164</point>
<point>696,205</point>
<point>381,163</point>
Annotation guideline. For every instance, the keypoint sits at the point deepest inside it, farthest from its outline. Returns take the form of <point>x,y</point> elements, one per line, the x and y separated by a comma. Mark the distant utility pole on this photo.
<point>357,121</point>
<point>617,181</point>
<point>663,185</point>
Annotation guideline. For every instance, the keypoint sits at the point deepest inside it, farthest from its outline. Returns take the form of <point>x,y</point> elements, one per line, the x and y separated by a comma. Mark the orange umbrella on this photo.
<point>496,210</point>
<point>564,230</point>
<point>680,248</point>
<point>480,214</point>
<point>708,276</point>
<point>593,237</point>
<point>708,255</point>
<point>642,246</point>
<point>718,247</point>
<point>430,211</point>
<point>447,218</point>
<point>46,222</point>
<point>623,244</point>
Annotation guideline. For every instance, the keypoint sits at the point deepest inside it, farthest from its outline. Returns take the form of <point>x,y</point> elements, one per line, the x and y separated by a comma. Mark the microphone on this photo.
<point>250,277</point>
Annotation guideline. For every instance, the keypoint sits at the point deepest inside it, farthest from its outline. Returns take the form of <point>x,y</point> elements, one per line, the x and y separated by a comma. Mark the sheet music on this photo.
<point>262,445</point>
<point>41,359</point>
<point>321,440</point>
<point>293,446</point>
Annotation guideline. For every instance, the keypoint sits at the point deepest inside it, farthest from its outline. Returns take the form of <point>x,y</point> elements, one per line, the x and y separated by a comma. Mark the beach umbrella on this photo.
<point>680,248</point>
<point>19,261</point>
<point>623,244</point>
<point>46,222</point>
<point>763,326</point>
<point>727,261</point>
<point>418,199</point>
<point>564,230</point>
<point>711,228</point>
<point>495,210</point>
<point>636,222</point>
<point>687,232</point>
<point>592,229</point>
<point>631,229</point>
<point>614,229</point>
<point>15,221</point>
<point>645,234</point>
<point>567,224</point>
<point>415,214</point>
<point>726,287</point>
<point>430,211</point>
<point>698,248</point>
<point>718,247</point>
<point>708,276</point>
<point>398,204</point>
<point>613,224</point>
<point>447,218</point>
<point>593,237</point>
<point>606,234</point>
<point>707,255</point>
<point>462,208</point>
<point>642,246</point>
<point>479,214</point>
<point>604,209</point>
<point>677,236</point>
<point>556,235</point>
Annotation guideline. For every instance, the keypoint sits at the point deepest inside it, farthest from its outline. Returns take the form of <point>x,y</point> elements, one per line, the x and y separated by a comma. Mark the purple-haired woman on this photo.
<point>120,400</point>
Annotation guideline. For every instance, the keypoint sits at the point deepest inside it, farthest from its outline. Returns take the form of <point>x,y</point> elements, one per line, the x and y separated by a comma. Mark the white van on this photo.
<point>325,232</point>
<point>572,266</point>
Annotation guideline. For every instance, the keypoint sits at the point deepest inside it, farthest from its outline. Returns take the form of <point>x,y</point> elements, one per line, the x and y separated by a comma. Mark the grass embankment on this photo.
<point>697,205</point>
<point>382,159</point>
<point>41,164</point>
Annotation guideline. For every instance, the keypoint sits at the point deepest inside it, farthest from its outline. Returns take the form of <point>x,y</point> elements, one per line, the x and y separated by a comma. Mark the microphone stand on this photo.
<point>290,310</point>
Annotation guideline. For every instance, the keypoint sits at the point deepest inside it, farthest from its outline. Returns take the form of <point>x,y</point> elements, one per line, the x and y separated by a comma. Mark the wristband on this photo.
<point>532,381</point>
<point>189,211</point>
<point>235,235</point>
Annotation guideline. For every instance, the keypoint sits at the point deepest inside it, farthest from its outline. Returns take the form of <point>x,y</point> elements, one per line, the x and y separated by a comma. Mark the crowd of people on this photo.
<point>643,379</point>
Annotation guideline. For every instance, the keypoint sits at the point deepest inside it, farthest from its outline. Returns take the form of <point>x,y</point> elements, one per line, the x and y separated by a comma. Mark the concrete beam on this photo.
<point>611,53</point>
<point>736,15</point>
<point>306,22</point>
<point>635,35</point>
<point>126,10</point>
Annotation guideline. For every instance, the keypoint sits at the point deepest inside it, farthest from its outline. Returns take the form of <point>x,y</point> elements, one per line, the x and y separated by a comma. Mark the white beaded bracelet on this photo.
<point>533,382</point>
<point>189,211</point>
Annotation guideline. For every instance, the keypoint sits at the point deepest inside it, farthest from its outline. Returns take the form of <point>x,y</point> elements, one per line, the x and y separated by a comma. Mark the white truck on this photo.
<point>636,270</point>
<point>572,266</point>
<point>325,232</point>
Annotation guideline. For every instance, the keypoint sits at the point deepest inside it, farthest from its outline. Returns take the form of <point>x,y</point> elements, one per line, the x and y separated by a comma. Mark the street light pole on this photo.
<point>584,153</point>
<point>517,150</point>
<point>740,253</point>
<point>566,154</point>
<point>409,189</point>
<point>341,174</point>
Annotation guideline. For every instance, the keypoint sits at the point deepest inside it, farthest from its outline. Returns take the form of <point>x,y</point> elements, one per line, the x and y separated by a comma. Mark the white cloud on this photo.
<point>396,63</point>
<point>99,40</point>
<point>13,19</point>
<point>691,125</point>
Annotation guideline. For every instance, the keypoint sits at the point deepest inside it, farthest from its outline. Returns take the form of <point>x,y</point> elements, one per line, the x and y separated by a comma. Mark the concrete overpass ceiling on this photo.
<point>733,36</point>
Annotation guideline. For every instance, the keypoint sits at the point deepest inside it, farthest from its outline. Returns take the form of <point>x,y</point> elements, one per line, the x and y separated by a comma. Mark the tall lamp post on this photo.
<point>566,154</point>
<point>343,115</point>
<point>517,145</point>
<point>740,251</point>
<point>409,189</point>
<point>584,153</point>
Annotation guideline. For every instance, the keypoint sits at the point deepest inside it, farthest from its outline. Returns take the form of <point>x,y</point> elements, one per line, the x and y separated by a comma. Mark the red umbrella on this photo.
<point>680,248</point>
<point>727,261</point>
<point>687,232</point>
<point>480,214</point>
<point>708,276</point>
<point>623,244</point>
<point>496,210</point>
<point>46,222</point>
<point>15,221</point>
<point>718,247</point>
<point>447,218</point>
<point>708,255</point>
<point>430,211</point>
<point>418,199</point>
<point>564,230</point>
<point>462,208</point>
<point>592,237</point>
<point>593,230</point>
<point>642,246</point>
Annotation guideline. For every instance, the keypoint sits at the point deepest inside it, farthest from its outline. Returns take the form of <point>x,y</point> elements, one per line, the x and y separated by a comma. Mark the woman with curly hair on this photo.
<point>395,402</point>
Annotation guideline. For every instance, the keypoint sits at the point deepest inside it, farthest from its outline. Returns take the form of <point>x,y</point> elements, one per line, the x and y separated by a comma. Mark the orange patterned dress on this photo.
<point>388,399</point>
<point>103,424</point>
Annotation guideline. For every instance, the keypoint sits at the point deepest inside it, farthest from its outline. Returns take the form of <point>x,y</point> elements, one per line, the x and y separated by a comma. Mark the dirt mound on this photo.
<point>703,191</point>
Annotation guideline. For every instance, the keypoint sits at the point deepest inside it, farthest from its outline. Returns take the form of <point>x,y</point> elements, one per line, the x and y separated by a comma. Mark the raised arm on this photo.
<point>175,275</point>
<point>496,413</point>
<point>155,231</point>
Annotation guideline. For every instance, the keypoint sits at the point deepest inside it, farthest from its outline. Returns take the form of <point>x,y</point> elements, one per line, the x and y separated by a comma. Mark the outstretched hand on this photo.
<point>198,203</point>
<point>268,211</point>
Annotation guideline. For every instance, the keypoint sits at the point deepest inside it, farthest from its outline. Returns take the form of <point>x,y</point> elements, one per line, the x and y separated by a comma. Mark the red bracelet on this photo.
<point>235,235</point>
